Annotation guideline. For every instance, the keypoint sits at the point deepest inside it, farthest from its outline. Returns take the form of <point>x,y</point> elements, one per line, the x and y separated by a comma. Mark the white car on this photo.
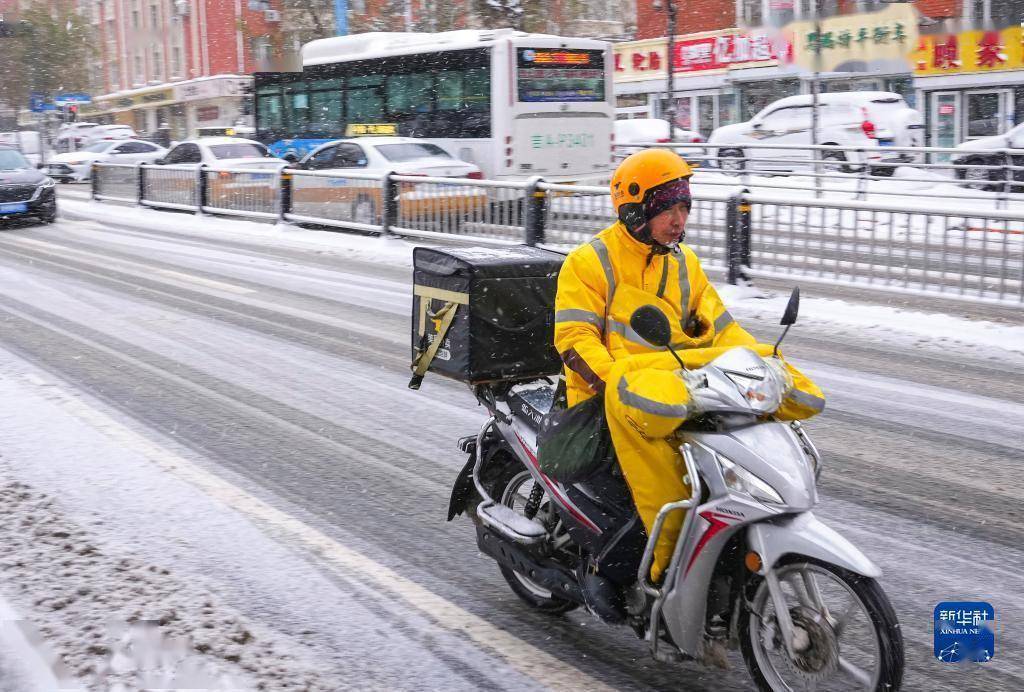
<point>107,133</point>
<point>71,136</point>
<point>402,155</point>
<point>221,152</point>
<point>868,120</point>
<point>77,165</point>
<point>984,151</point>
<point>637,131</point>
<point>226,131</point>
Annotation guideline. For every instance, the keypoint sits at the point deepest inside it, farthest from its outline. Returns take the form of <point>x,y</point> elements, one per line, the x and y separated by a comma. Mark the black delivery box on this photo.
<point>494,309</point>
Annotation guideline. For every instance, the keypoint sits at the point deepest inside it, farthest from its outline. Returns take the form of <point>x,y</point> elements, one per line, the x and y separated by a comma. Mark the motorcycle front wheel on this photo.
<point>849,637</point>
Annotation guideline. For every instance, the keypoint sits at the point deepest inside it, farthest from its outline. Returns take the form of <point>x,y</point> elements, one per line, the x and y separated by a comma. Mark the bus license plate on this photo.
<point>13,208</point>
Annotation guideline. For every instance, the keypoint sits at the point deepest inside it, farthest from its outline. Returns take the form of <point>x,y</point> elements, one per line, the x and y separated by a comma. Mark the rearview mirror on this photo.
<point>652,325</point>
<point>792,308</point>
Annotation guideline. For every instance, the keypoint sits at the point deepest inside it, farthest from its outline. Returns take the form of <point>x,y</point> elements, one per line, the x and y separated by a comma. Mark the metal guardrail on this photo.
<point>858,172</point>
<point>958,252</point>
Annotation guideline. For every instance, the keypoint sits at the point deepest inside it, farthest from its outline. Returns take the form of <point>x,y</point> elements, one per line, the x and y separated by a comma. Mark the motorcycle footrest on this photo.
<point>510,523</point>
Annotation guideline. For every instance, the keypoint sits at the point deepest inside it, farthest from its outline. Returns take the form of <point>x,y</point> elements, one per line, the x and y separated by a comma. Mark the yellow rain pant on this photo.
<point>645,401</point>
<point>644,407</point>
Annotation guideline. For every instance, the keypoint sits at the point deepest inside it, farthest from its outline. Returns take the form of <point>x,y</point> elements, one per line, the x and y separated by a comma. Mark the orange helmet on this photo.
<point>640,176</point>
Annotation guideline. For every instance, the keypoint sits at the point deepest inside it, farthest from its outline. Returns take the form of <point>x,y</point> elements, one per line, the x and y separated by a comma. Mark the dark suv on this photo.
<point>24,191</point>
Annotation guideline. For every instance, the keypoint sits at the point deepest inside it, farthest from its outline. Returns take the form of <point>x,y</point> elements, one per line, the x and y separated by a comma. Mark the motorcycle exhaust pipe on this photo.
<point>556,579</point>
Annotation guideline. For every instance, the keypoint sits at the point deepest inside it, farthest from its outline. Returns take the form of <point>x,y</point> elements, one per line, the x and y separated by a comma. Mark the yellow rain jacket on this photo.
<point>600,284</point>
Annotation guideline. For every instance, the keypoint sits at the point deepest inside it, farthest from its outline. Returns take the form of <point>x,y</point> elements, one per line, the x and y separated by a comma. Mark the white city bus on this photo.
<point>515,104</point>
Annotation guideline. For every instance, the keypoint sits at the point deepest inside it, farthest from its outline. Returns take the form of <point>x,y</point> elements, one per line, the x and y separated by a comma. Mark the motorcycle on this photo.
<point>752,568</point>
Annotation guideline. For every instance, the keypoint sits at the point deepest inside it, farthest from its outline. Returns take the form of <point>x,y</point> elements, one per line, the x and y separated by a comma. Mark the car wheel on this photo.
<point>365,211</point>
<point>978,178</point>
<point>732,161</point>
<point>833,161</point>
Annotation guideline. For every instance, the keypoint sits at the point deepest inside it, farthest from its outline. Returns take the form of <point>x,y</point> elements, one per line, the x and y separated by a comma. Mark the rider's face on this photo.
<point>667,227</point>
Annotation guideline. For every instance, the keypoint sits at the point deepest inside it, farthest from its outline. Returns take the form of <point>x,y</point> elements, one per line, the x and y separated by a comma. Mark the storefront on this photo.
<point>705,95</point>
<point>970,84</point>
<point>184,106</point>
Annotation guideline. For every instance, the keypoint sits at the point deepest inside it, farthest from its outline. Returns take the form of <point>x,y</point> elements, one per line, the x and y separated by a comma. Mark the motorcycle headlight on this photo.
<point>740,480</point>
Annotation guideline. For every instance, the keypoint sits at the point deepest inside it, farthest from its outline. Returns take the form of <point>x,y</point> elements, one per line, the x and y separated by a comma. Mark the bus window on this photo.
<point>449,90</point>
<point>296,107</point>
<point>410,93</point>
<point>364,105</point>
<point>269,115</point>
<point>560,75</point>
<point>325,115</point>
<point>477,88</point>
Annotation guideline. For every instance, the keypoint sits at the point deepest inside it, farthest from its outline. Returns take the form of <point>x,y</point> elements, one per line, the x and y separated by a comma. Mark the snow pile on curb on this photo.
<point>345,243</point>
<point>117,623</point>
<point>941,329</point>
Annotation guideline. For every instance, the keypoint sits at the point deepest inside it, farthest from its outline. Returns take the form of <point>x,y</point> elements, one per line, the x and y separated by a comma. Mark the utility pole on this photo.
<point>341,17</point>
<point>815,89</point>
<point>670,7</point>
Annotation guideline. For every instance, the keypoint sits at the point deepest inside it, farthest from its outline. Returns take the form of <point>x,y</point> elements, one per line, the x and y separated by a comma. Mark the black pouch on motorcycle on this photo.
<point>574,443</point>
<point>484,314</point>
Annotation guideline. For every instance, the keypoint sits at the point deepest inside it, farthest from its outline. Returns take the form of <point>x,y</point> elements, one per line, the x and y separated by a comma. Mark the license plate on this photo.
<point>13,208</point>
<point>885,142</point>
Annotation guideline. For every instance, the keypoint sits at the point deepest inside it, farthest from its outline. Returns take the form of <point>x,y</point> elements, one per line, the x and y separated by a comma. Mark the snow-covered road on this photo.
<point>207,434</point>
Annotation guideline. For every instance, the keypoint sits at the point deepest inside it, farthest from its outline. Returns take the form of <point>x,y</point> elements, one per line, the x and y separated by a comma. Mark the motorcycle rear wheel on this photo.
<point>512,489</point>
<point>864,609</point>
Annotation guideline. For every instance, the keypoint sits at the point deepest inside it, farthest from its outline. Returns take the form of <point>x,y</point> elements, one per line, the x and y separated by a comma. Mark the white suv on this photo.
<point>869,120</point>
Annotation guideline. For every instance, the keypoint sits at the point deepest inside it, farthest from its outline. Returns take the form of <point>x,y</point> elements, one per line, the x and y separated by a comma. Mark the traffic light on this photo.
<point>71,112</point>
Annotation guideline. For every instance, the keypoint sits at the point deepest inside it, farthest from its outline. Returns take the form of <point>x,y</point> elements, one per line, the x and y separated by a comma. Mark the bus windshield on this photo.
<point>560,75</point>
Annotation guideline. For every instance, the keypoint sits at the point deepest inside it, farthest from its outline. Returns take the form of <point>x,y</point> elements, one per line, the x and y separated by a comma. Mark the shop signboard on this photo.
<point>726,50</point>
<point>703,53</point>
<point>209,88</point>
<point>157,97</point>
<point>969,52</point>
<point>876,42</point>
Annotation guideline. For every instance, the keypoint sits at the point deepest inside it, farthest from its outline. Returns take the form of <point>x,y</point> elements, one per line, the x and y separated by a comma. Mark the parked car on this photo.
<point>77,166</point>
<point>224,188</point>
<point>985,152</point>
<point>221,152</point>
<point>226,131</point>
<point>71,136</point>
<point>654,130</point>
<point>868,120</point>
<point>402,155</point>
<point>24,190</point>
<point>106,133</point>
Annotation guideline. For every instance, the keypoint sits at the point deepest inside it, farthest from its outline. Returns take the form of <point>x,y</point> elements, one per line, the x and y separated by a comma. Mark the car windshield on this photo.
<point>412,151</point>
<point>98,147</point>
<point>241,150</point>
<point>11,160</point>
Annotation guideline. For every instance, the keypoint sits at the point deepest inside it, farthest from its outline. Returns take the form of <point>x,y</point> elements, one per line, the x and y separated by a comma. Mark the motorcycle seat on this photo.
<point>530,402</point>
